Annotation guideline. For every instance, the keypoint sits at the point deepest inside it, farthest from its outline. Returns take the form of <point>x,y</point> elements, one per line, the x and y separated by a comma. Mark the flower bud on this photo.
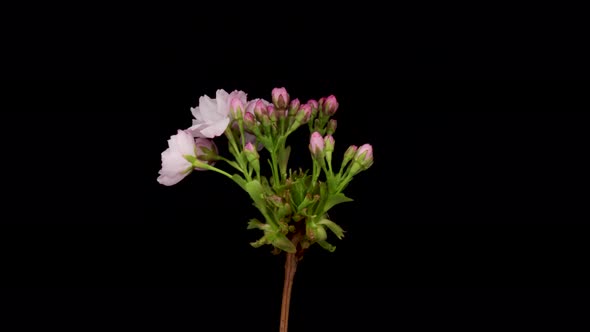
<point>252,156</point>
<point>205,150</point>
<point>236,108</point>
<point>260,110</point>
<point>329,143</point>
<point>331,128</point>
<point>303,114</point>
<point>272,113</point>
<point>294,107</point>
<point>330,106</point>
<point>349,154</point>
<point>280,98</point>
<point>364,156</point>
<point>249,122</point>
<point>314,108</point>
<point>316,144</point>
<point>315,232</point>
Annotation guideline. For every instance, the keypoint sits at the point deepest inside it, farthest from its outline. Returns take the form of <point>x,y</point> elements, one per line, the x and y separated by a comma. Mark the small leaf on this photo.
<point>336,199</point>
<point>254,188</point>
<point>337,230</point>
<point>257,224</point>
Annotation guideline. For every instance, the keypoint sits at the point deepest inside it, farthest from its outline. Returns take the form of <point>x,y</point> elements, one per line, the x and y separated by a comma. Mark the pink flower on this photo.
<point>316,144</point>
<point>175,159</point>
<point>212,116</point>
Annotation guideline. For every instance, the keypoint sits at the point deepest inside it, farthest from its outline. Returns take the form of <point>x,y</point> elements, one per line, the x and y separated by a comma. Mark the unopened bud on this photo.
<point>206,151</point>
<point>294,107</point>
<point>304,114</point>
<point>330,105</point>
<point>316,144</point>
<point>280,98</point>
<point>349,154</point>
<point>329,143</point>
<point>364,156</point>
<point>249,122</point>
<point>236,108</point>
<point>252,156</point>
<point>331,128</point>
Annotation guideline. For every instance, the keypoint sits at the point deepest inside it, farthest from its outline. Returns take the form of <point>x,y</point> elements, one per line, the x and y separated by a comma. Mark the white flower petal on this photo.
<point>215,129</point>
<point>197,113</point>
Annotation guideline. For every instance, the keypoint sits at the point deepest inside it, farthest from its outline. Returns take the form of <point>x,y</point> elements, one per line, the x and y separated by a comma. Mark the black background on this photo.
<point>473,216</point>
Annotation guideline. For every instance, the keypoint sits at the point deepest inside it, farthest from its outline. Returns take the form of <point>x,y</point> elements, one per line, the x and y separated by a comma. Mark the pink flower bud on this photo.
<point>236,108</point>
<point>272,113</point>
<point>249,147</point>
<point>330,105</point>
<point>260,110</point>
<point>329,143</point>
<point>206,151</point>
<point>314,107</point>
<point>249,121</point>
<point>349,154</point>
<point>294,107</point>
<point>364,155</point>
<point>280,98</point>
<point>316,144</point>
<point>313,103</point>
<point>252,156</point>
<point>303,114</point>
<point>331,128</point>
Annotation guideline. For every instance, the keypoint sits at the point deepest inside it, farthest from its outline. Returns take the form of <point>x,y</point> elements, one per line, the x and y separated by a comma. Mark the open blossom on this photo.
<point>175,165</point>
<point>212,116</point>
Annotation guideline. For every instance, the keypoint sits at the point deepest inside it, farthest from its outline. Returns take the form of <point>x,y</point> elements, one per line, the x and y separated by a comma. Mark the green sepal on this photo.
<point>257,224</point>
<point>189,158</point>
<point>337,230</point>
<point>327,246</point>
<point>280,241</point>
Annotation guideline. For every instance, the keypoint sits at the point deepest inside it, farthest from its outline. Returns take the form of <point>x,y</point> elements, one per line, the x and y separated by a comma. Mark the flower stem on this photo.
<point>290,268</point>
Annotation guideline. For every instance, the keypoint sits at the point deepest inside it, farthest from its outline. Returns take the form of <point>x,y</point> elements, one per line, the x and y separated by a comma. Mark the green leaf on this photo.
<point>256,192</point>
<point>336,199</point>
<point>324,196</point>
<point>239,180</point>
<point>327,246</point>
<point>337,230</point>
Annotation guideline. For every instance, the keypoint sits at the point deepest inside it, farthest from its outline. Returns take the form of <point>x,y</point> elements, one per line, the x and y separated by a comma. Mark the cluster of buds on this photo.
<point>294,203</point>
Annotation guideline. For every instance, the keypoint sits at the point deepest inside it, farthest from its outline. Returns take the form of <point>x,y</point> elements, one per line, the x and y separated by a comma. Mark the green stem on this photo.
<point>275,169</point>
<point>215,169</point>
<point>236,152</point>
